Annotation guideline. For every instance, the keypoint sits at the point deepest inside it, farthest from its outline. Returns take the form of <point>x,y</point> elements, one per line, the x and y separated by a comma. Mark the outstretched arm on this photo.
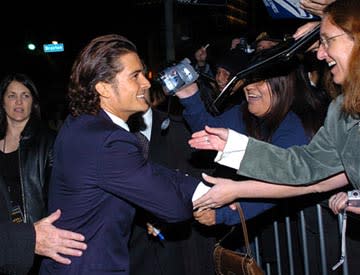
<point>225,191</point>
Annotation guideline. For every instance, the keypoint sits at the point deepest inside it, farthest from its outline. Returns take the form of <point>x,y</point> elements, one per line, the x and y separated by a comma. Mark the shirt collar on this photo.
<point>118,121</point>
<point>147,116</point>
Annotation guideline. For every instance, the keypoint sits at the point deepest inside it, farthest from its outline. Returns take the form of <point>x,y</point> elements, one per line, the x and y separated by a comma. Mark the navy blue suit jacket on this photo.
<point>99,175</point>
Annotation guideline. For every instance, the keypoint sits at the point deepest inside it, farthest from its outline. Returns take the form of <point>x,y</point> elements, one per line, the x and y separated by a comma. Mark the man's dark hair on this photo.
<point>98,61</point>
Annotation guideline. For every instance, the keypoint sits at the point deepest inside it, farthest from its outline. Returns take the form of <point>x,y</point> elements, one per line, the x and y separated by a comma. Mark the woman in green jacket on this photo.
<point>332,156</point>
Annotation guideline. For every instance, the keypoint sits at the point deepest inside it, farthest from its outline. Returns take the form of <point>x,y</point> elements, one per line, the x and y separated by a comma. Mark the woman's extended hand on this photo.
<point>210,139</point>
<point>223,192</point>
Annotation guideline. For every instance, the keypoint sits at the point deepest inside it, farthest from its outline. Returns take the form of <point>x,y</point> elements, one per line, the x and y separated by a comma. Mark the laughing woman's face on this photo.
<point>335,48</point>
<point>258,96</point>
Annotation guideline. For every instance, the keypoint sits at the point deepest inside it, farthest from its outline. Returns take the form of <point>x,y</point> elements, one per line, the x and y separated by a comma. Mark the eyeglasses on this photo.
<point>326,41</point>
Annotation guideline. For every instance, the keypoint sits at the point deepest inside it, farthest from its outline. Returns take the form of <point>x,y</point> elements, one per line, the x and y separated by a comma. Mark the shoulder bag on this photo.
<point>229,262</point>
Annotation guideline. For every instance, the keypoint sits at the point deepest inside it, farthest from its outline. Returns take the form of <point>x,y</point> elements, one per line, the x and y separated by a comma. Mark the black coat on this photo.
<point>35,161</point>
<point>186,251</point>
<point>17,241</point>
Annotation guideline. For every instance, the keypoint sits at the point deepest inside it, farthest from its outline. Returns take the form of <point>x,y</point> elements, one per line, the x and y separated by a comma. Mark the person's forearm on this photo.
<point>259,189</point>
<point>331,183</point>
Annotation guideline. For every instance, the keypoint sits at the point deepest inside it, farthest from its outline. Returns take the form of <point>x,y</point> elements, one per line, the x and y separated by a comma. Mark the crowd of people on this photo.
<point>81,199</point>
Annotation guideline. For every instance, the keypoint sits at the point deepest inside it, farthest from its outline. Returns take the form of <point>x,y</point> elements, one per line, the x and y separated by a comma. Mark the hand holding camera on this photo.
<point>178,77</point>
<point>342,200</point>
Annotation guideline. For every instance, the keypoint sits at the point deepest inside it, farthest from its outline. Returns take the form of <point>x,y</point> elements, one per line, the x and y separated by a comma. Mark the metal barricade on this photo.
<point>291,267</point>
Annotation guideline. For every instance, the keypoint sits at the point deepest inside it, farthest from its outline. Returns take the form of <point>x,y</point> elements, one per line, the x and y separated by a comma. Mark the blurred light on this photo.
<point>185,38</point>
<point>31,46</point>
<point>54,42</point>
<point>150,75</point>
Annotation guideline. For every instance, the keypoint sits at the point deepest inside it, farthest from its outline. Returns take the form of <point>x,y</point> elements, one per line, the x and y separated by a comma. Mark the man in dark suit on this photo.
<point>20,242</point>
<point>188,246</point>
<point>100,173</point>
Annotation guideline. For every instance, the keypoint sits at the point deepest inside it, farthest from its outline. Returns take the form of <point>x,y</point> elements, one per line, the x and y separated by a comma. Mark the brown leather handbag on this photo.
<point>229,262</point>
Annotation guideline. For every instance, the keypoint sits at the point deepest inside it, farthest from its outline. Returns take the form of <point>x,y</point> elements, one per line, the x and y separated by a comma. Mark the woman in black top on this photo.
<point>25,150</point>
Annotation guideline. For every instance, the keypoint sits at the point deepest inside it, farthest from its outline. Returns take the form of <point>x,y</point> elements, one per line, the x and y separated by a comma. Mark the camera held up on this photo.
<point>178,76</point>
<point>354,198</point>
<point>261,66</point>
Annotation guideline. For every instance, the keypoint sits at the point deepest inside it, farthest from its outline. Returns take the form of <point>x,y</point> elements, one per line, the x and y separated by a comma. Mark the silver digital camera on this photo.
<point>354,198</point>
<point>178,76</point>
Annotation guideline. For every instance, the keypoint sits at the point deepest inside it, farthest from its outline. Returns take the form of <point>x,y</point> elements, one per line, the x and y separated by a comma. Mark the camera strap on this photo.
<point>343,242</point>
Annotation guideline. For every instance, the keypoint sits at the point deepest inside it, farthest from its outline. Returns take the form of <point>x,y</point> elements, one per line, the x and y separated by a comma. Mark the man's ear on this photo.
<point>103,89</point>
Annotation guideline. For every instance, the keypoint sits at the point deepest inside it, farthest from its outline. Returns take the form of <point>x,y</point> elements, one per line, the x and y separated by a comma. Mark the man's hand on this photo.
<point>207,216</point>
<point>315,7</point>
<point>50,241</point>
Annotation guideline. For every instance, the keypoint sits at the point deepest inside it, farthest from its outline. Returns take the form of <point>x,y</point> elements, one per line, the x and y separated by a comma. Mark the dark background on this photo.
<point>141,21</point>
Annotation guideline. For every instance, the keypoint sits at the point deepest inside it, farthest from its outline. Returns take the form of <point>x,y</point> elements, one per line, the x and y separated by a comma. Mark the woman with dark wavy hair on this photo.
<point>267,114</point>
<point>263,124</point>
<point>25,149</point>
<point>29,84</point>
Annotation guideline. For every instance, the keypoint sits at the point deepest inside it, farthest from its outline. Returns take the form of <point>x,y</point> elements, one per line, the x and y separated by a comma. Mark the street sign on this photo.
<point>51,48</point>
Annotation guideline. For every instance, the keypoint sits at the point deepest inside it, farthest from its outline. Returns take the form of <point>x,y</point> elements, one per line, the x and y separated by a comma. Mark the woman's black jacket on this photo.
<point>35,162</point>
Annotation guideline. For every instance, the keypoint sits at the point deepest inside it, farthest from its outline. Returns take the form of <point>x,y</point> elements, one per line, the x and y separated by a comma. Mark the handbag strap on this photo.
<point>244,228</point>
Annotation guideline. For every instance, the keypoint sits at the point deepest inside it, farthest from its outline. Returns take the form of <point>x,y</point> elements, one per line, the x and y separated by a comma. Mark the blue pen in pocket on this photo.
<point>156,231</point>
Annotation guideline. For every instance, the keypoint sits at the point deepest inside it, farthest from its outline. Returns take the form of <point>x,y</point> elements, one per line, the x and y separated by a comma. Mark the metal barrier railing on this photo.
<point>321,259</point>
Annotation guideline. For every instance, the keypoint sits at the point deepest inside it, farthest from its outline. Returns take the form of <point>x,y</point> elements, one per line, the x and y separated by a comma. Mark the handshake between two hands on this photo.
<point>204,196</point>
<point>204,203</point>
